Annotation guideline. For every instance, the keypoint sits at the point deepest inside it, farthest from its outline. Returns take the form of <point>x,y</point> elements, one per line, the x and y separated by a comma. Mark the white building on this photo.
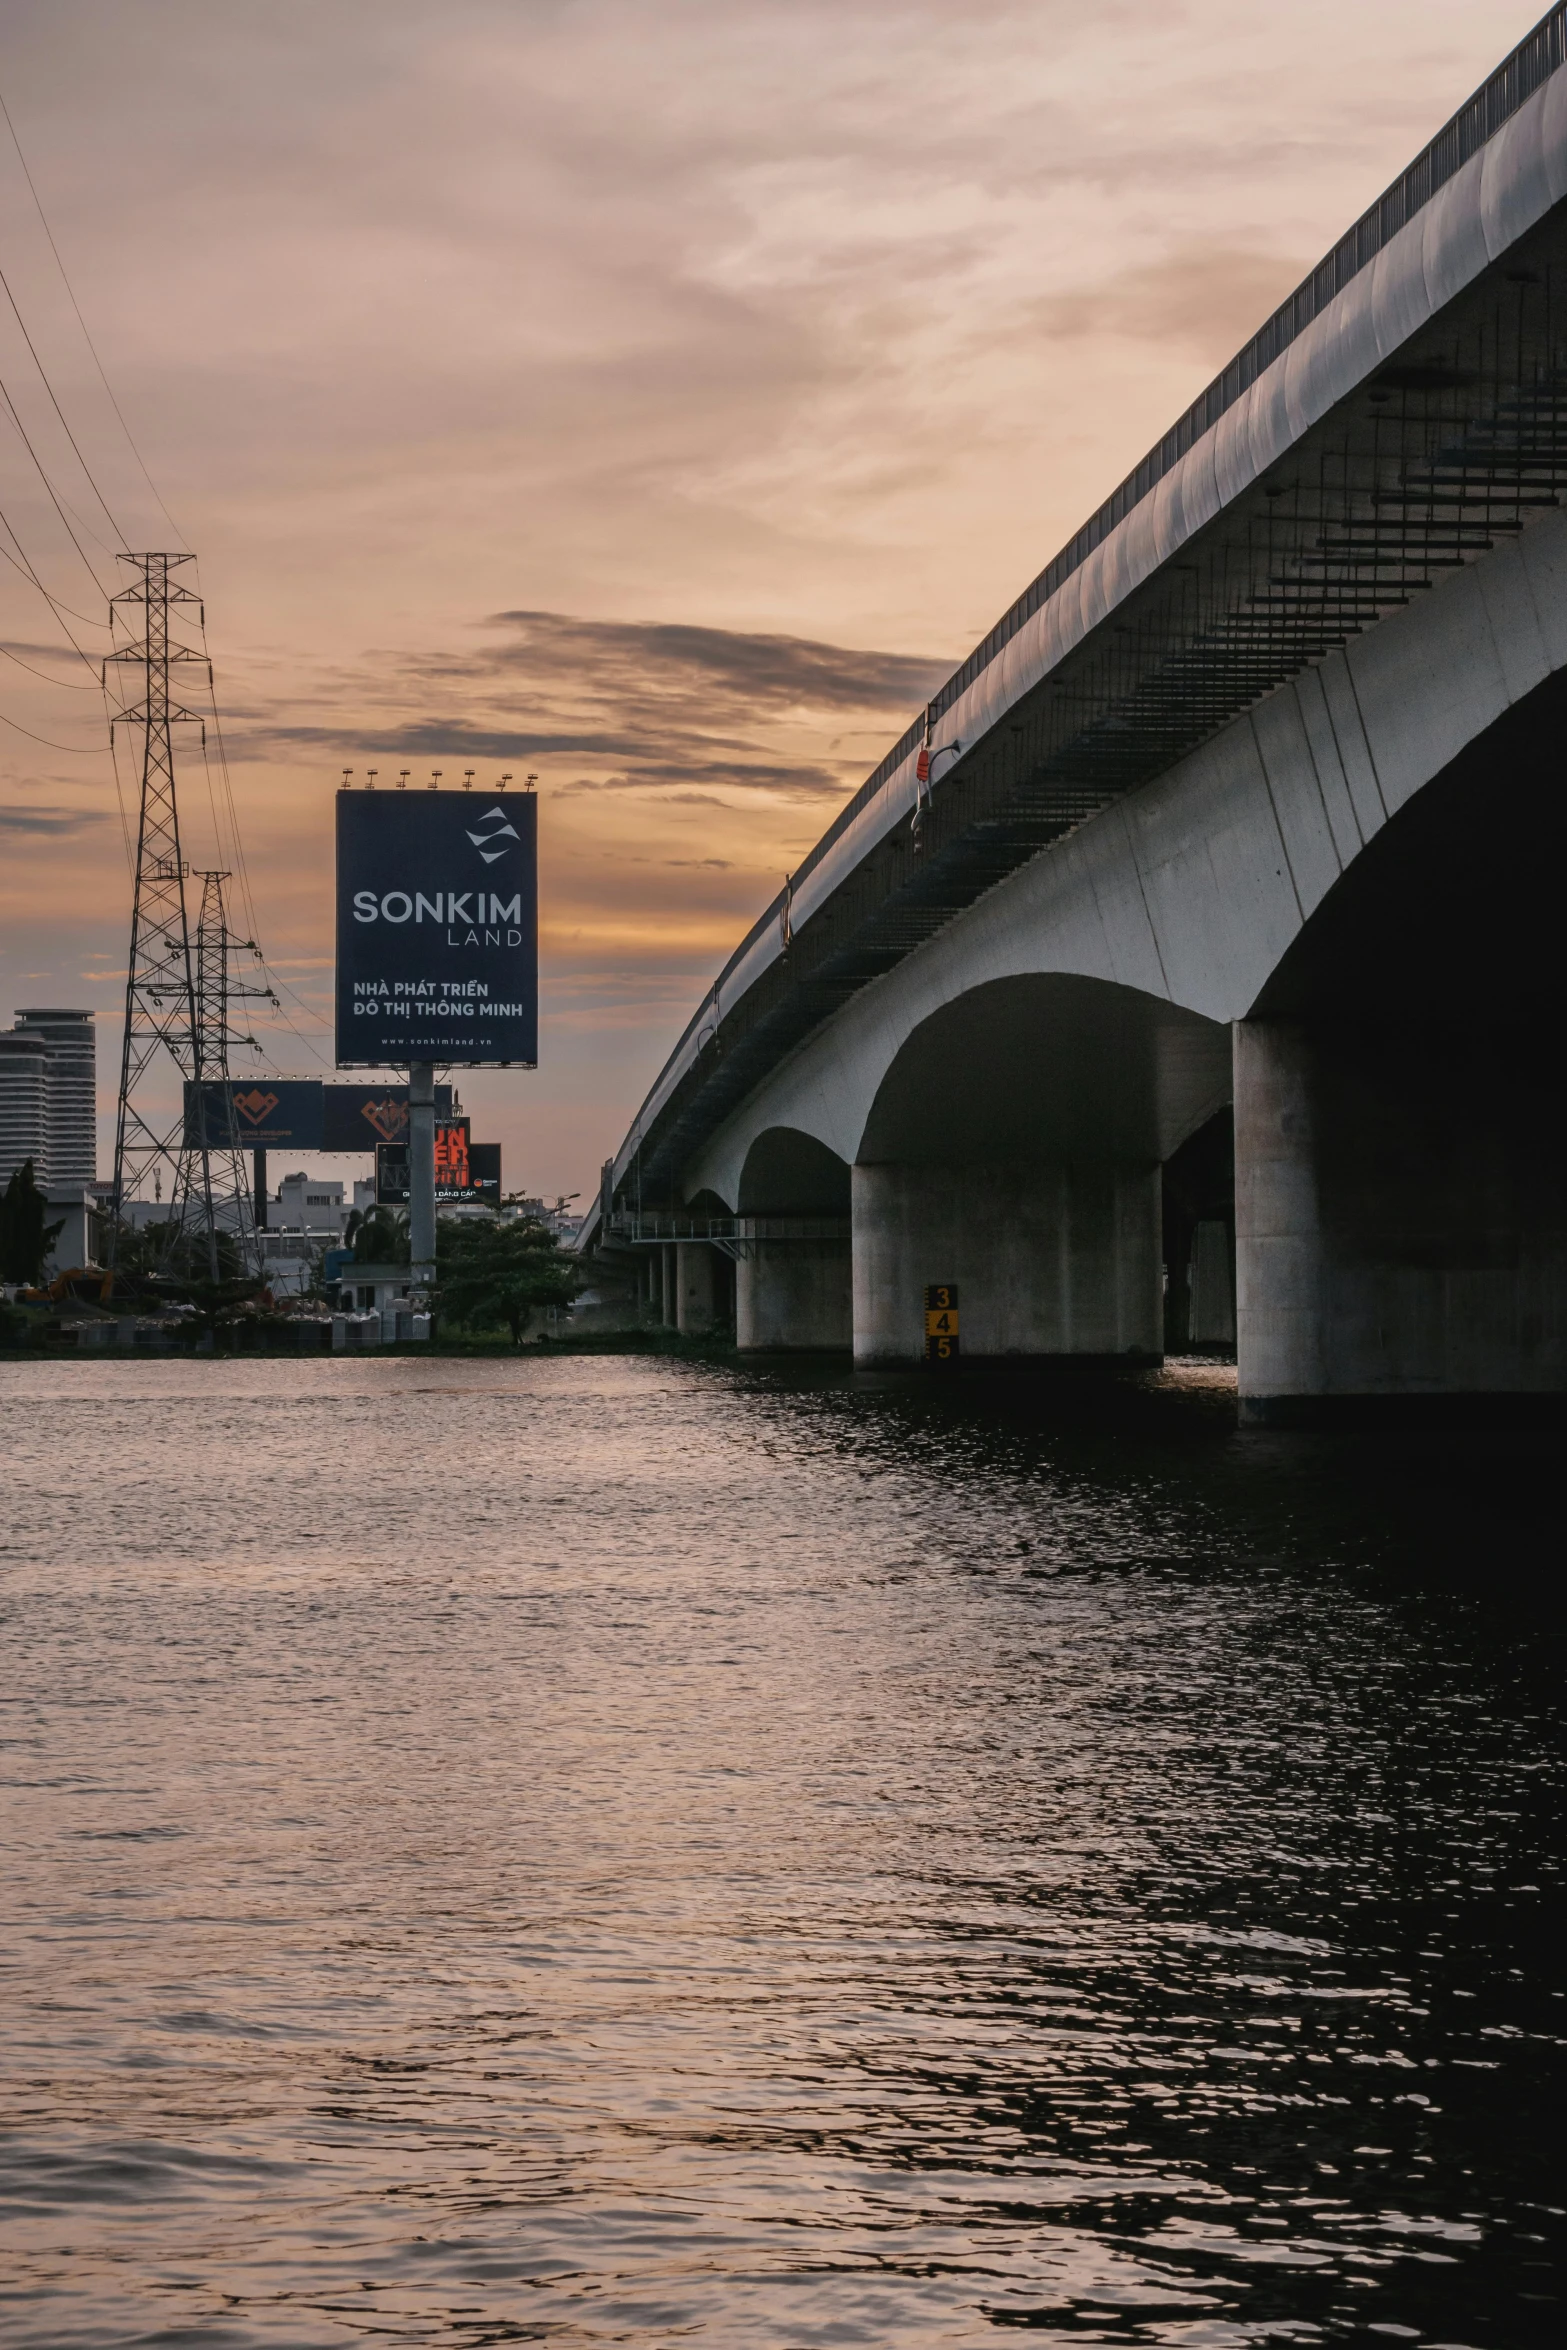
<point>307,1217</point>
<point>316,1205</point>
<point>48,1099</point>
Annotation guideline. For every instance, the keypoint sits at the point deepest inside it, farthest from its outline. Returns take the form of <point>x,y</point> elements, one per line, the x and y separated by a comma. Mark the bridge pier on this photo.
<point>697,1269</point>
<point>1401,1229</point>
<point>1051,1261</point>
<point>794,1296</point>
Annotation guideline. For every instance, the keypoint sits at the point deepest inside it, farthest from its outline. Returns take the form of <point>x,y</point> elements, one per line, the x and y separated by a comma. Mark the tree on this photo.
<point>377,1236</point>
<point>25,1239</point>
<point>493,1272</point>
<point>165,1256</point>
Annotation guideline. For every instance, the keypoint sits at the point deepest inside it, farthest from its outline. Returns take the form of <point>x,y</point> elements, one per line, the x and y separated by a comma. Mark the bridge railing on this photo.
<point>736,1236</point>
<point>1540,54</point>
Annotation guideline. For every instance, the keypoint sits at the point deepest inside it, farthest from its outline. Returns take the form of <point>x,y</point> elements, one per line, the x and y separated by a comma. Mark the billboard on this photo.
<point>464,1170</point>
<point>266,1111</point>
<point>361,1117</point>
<point>299,1112</point>
<point>437,929</point>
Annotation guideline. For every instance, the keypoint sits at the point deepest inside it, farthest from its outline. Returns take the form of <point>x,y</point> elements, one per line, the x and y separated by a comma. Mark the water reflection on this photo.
<point>614,1852</point>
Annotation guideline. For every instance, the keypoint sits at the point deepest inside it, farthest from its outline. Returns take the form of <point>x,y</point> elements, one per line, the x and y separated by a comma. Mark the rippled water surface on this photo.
<point>614,1851</point>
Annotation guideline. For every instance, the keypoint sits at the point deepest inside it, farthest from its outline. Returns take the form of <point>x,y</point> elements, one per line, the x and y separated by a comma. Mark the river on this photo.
<point>617,1851</point>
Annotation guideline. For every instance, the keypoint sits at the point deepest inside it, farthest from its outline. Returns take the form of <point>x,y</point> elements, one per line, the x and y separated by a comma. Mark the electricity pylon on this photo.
<point>161,1015</point>
<point>219,989</point>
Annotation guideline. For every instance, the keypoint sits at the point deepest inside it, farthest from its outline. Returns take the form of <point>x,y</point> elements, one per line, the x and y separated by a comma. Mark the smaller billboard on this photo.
<point>256,1112</point>
<point>362,1117</point>
<point>464,1170</point>
<point>299,1113</point>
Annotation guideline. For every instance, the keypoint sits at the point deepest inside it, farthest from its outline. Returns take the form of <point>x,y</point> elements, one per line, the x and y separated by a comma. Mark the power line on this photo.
<point>119,796</point>
<point>29,572</point>
<point>71,750</point>
<point>82,323</point>
<point>59,411</point>
<point>69,684</point>
<point>21,561</point>
<point>54,499</point>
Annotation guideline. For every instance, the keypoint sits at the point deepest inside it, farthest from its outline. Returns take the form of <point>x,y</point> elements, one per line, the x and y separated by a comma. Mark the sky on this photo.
<point>659,400</point>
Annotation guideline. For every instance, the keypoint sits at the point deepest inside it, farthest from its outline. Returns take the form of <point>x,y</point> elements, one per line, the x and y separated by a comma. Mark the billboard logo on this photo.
<point>499,828</point>
<point>255,1107</point>
<point>387,1117</point>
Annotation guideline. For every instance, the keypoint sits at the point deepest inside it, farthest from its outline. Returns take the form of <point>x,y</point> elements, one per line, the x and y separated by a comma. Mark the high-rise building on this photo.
<point>24,1106</point>
<point>48,1098</point>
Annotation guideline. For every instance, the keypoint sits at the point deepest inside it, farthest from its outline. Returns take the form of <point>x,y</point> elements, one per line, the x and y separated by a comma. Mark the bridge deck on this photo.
<point>1400,415</point>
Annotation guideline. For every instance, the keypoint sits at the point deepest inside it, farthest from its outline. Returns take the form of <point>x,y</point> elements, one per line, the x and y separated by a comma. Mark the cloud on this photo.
<point>48,821</point>
<point>789,782</point>
<point>636,706</point>
<point>726,667</point>
<point>1208,300</point>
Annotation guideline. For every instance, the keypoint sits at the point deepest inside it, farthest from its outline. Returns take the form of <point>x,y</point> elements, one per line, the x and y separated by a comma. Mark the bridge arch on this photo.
<point>792,1283</point>
<point>1048,1065</point>
<point>788,1173</point>
<point>1366,837</point>
<point>1013,1150</point>
<point>1196,887</point>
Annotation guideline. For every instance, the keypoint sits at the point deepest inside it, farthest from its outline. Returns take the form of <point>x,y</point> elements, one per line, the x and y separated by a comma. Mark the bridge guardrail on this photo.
<point>888,794</point>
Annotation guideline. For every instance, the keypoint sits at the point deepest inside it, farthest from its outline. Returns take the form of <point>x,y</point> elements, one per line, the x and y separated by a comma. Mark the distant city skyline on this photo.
<point>661,402</point>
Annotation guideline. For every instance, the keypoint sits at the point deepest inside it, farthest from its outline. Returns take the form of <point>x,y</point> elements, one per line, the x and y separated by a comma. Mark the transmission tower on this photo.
<point>220,988</point>
<point>151,1147</point>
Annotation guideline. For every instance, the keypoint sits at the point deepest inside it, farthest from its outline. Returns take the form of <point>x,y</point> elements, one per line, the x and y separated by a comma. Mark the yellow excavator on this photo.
<point>83,1285</point>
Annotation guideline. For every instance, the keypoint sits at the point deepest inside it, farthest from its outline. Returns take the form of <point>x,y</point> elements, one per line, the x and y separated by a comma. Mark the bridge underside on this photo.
<point>1357,1187</point>
<point>1439,459</point>
<point>1197,983</point>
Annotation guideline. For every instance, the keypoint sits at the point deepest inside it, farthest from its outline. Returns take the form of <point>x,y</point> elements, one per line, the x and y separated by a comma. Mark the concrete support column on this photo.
<point>696,1287</point>
<point>1401,1228</point>
<point>1280,1301</point>
<point>421,1173</point>
<point>794,1295</point>
<point>1050,1260</point>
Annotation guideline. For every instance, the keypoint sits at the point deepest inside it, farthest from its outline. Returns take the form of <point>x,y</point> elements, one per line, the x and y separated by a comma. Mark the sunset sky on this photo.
<point>661,398</point>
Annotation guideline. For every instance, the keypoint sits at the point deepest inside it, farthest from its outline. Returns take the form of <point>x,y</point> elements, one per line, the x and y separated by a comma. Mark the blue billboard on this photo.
<point>258,1112</point>
<point>437,929</point>
<point>362,1117</point>
<point>263,1113</point>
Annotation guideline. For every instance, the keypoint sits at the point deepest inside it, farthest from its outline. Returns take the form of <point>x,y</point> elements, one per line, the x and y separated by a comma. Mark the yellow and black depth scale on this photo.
<point>941,1323</point>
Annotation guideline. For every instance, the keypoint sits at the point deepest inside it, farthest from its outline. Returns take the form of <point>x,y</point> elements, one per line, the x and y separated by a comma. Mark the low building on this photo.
<point>366,1288</point>
<point>316,1203</point>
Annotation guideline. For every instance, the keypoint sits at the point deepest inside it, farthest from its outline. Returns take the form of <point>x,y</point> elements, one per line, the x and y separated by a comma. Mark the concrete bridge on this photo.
<point>1191,969</point>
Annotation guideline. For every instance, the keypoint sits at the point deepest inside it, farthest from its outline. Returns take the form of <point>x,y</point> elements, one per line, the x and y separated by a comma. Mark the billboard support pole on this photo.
<point>421,1173</point>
